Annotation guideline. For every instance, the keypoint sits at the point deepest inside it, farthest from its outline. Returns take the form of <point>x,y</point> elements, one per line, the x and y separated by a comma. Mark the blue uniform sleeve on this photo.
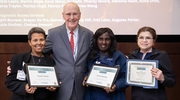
<point>120,81</point>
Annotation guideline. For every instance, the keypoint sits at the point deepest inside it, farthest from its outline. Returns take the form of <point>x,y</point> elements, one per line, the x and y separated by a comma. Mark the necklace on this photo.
<point>39,60</point>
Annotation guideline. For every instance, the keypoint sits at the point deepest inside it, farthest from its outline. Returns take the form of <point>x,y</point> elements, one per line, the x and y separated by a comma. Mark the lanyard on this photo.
<point>75,48</point>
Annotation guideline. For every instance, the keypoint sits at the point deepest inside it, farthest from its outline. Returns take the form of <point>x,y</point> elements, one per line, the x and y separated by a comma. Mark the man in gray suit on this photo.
<point>71,64</point>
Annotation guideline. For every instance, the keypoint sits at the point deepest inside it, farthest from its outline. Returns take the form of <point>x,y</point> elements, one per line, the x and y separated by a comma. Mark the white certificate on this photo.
<point>102,76</point>
<point>139,73</point>
<point>41,76</point>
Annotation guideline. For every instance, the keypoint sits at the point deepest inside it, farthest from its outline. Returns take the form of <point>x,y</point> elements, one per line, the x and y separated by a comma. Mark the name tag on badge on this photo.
<point>21,75</point>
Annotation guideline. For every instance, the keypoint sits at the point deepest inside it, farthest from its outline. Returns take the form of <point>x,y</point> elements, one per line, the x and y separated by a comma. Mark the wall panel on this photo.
<point>8,49</point>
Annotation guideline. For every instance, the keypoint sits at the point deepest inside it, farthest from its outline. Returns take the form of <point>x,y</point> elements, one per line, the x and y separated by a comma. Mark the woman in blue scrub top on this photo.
<point>104,52</point>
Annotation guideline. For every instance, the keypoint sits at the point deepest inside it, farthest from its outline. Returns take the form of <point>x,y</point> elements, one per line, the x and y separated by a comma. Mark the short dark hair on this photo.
<point>95,48</point>
<point>150,30</point>
<point>36,30</point>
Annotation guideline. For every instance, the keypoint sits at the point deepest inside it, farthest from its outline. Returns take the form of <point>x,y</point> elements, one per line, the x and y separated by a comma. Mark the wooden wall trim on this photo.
<point>8,49</point>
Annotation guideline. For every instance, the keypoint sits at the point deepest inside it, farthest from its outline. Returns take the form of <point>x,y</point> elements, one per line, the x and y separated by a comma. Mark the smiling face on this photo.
<point>104,42</point>
<point>145,41</point>
<point>71,15</point>
<point>37,43</point>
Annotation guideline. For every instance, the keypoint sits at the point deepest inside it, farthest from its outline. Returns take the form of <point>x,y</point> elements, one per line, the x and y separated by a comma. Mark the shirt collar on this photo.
<point>75,31</point>
<point>148,54</point>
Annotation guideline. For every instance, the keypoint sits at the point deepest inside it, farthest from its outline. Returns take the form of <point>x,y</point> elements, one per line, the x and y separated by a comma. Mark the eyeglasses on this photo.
<point>146,38</point>
<point>71,14</point>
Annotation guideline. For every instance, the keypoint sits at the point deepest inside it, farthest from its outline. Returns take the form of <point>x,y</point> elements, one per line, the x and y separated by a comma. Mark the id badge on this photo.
<point>21,75</point>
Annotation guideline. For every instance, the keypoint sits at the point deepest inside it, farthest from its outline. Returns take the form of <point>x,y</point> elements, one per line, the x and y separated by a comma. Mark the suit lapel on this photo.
<point>80,41</point>
<point>66,39</point>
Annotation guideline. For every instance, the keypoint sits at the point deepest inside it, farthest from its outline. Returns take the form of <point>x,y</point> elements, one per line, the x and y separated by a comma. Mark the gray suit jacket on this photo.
<point>70,72</point>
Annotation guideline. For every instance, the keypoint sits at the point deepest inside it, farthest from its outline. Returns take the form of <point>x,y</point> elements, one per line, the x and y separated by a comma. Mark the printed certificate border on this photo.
<point>27,65</point>
<point>103,66</point>
<point>130,62</point>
